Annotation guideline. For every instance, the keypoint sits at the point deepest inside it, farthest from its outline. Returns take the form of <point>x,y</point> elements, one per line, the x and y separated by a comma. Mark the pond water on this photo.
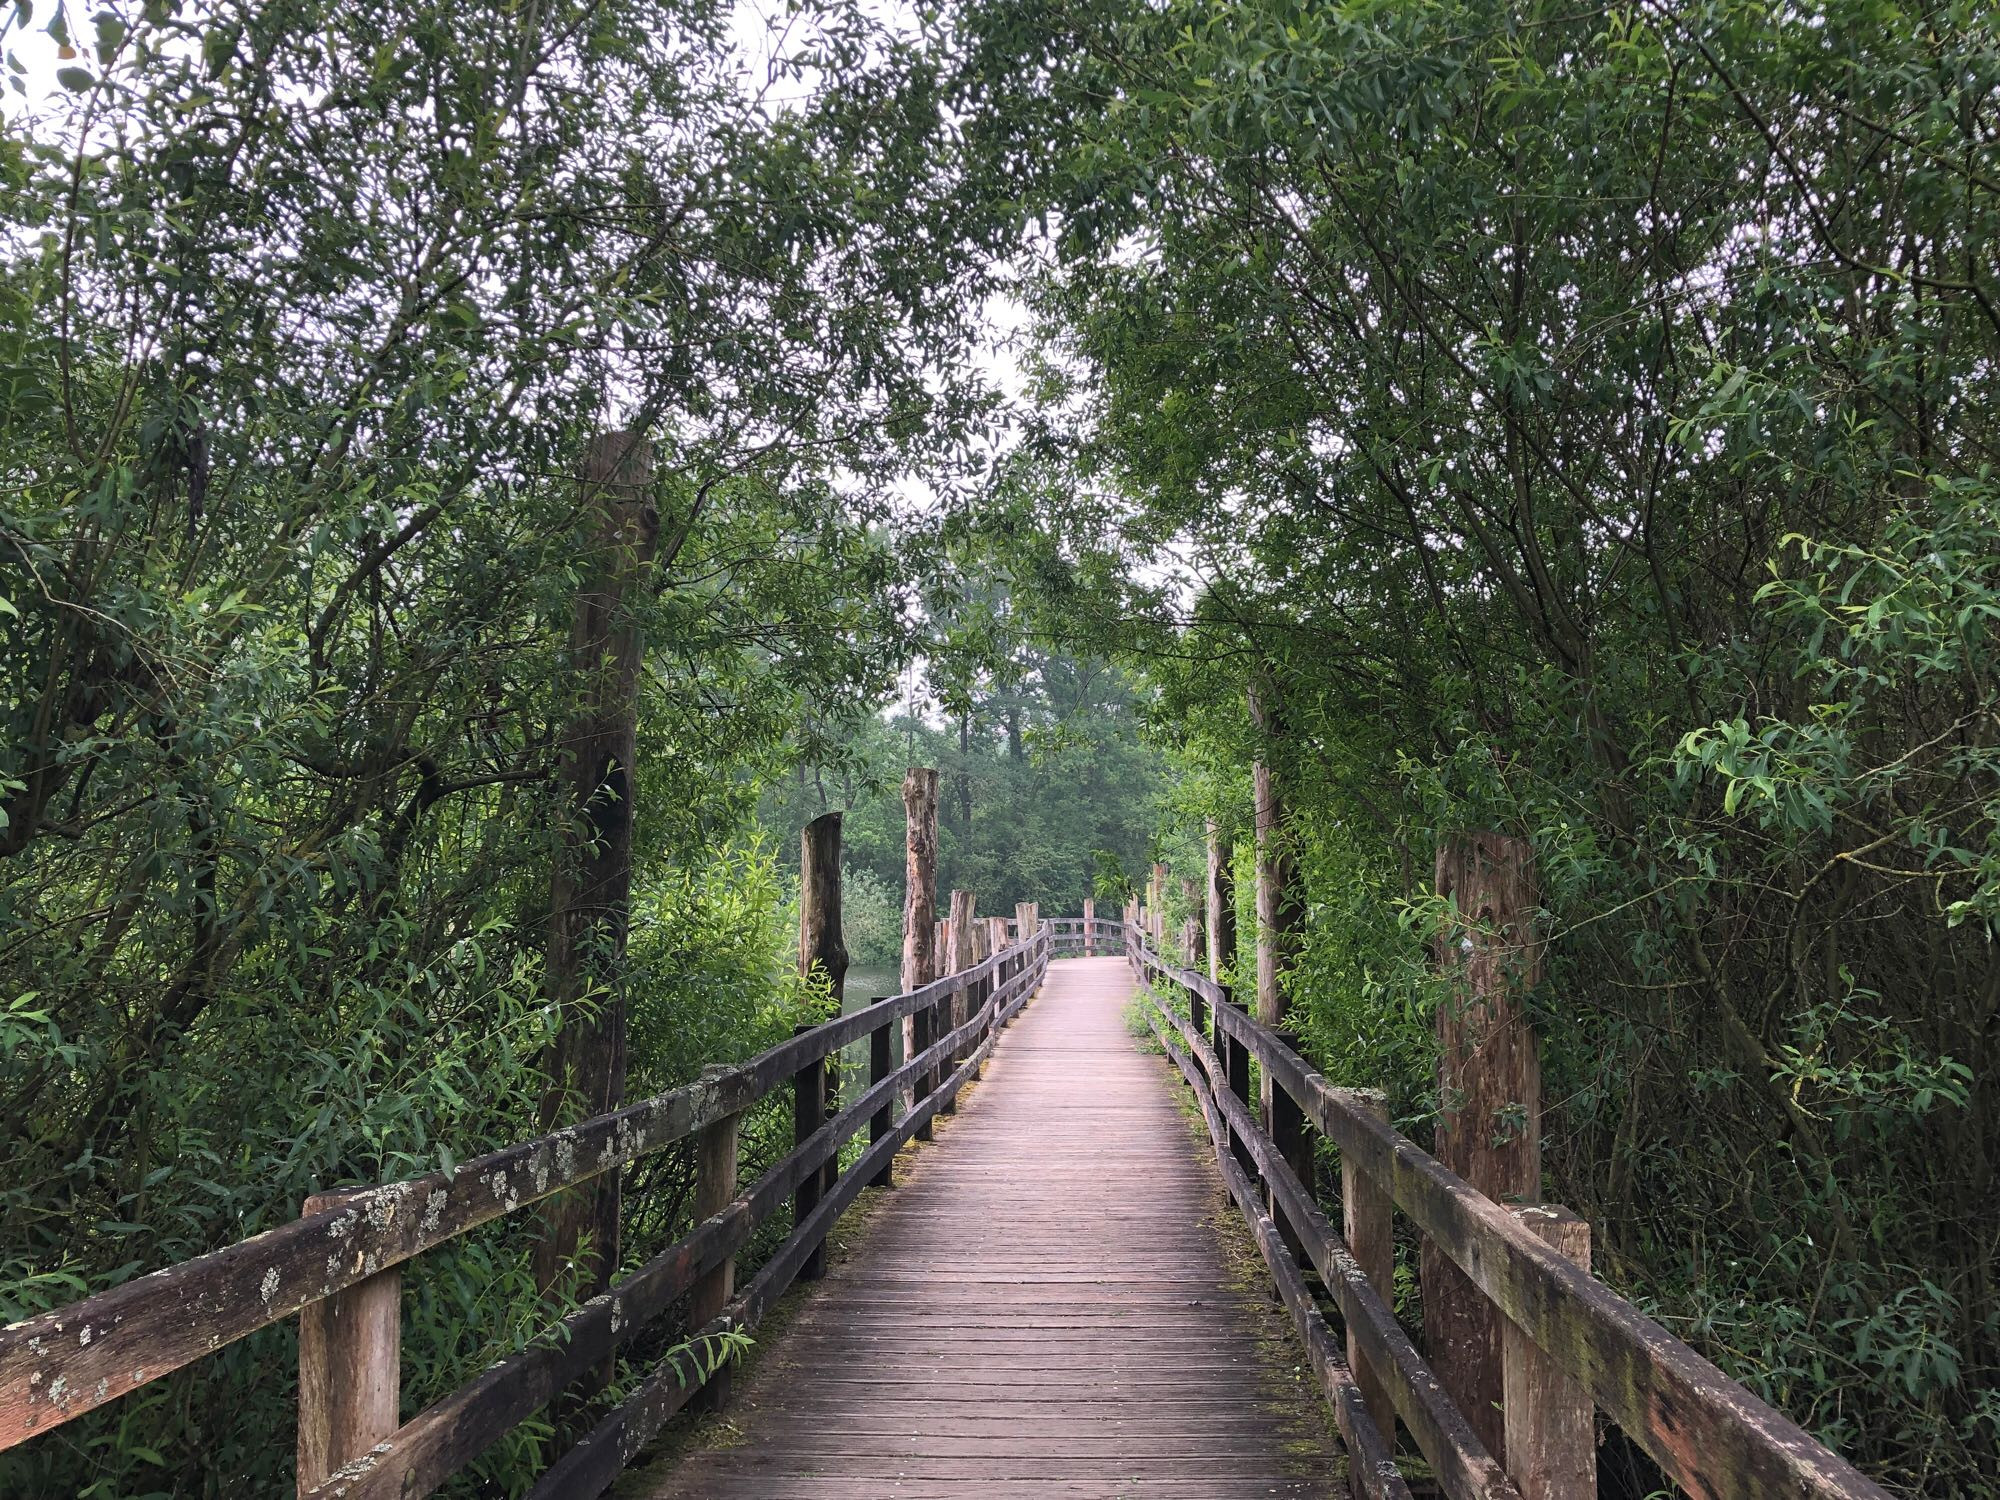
<point>867,982</point>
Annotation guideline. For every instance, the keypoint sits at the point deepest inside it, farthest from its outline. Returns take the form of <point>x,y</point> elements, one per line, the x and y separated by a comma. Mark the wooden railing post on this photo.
<point>1198,1009</point>
<point>1550,1421</point>
<point>982,949</point>
<point>1089,927</point>
<point>1367,1215</point>
<point>350,1365</point>
<point>956,959</point>
<point>1286,1123</point>
<point>924,1033</point>
<point>714,1190</point>
<point>811,1087</point>
<point>881,1063</point>
<point>1236,1063</point>
<point>823,949</point>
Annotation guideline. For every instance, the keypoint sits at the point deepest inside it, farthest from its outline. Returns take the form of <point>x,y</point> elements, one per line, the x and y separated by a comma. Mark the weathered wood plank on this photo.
<point>450,1433</point>
<point>1372,1462</point>
<point>1099,1341</point>
<point>350,1367</point>
<point>1551,1426</point>
<point>1464,1467</point>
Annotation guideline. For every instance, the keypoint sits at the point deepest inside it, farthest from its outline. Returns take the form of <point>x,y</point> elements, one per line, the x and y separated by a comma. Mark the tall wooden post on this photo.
<point>920,958</point>
<point>1279,916</point>
<point>1024,919</point>
<point>350,1366</point>
<point>590,895</point>
<point>1221,903</point>
<point>982,949</point>
<point>962,941</point>
<point>1089,927</point>
<point>821,944</point>
<point>1549,1419</point>
<point>1158,889</point>
<point>1489,1128</point>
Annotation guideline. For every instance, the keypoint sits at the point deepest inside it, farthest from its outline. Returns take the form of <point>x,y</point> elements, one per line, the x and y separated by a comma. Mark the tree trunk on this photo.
<point>821,942</point>
<point>920,956</point>
<point>1221,904</point>
<point>1280,913</point>
<point>590,899</point>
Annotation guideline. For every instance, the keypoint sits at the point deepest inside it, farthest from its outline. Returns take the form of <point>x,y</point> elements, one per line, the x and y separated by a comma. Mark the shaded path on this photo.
<point>1043,1307</point>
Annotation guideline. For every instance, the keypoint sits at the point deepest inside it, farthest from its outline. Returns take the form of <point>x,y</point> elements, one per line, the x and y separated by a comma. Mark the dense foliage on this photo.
<point>1583,420</point>
<point>308,311</point>
<point>1580,421</point>
<point>1047,782</point>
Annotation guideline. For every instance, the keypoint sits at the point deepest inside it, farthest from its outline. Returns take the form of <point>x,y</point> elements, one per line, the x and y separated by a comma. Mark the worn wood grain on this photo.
<point>1041,1309</point>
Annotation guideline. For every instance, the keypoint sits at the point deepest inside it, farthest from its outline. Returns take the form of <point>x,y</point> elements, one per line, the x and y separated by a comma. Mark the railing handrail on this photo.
<point>1709,1434</point>
<point>61,1364</point>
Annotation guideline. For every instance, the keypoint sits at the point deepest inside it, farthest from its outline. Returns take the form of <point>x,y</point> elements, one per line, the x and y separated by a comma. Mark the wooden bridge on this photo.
<point>1047,1304</point>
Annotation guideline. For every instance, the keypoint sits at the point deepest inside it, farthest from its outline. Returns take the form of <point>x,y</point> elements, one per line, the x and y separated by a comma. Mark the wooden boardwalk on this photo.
<point>1044,1306</point>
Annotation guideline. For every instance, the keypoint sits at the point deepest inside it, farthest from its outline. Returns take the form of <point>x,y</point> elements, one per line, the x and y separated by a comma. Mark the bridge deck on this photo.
<point>1044,1306</point>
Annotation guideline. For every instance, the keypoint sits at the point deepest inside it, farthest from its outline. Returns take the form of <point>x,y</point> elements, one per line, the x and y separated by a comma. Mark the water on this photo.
<point>867,982</point>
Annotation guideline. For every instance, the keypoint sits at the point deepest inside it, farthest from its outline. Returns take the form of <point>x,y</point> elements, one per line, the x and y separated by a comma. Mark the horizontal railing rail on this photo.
<point>59,1365</point>
<point>1085,936</point>
<point>1709,1434</point>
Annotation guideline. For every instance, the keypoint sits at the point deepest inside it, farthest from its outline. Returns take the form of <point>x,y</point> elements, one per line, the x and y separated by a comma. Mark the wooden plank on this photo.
<point>1551,1426</point>
<point>350,1367</point>
<point>1021,1320</point>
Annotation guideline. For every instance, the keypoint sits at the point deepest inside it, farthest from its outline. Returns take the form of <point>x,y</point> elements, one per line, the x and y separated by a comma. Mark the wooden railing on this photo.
<point>1085,937</point>
<point>337,1266</point>
<point>1572,1346</point>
